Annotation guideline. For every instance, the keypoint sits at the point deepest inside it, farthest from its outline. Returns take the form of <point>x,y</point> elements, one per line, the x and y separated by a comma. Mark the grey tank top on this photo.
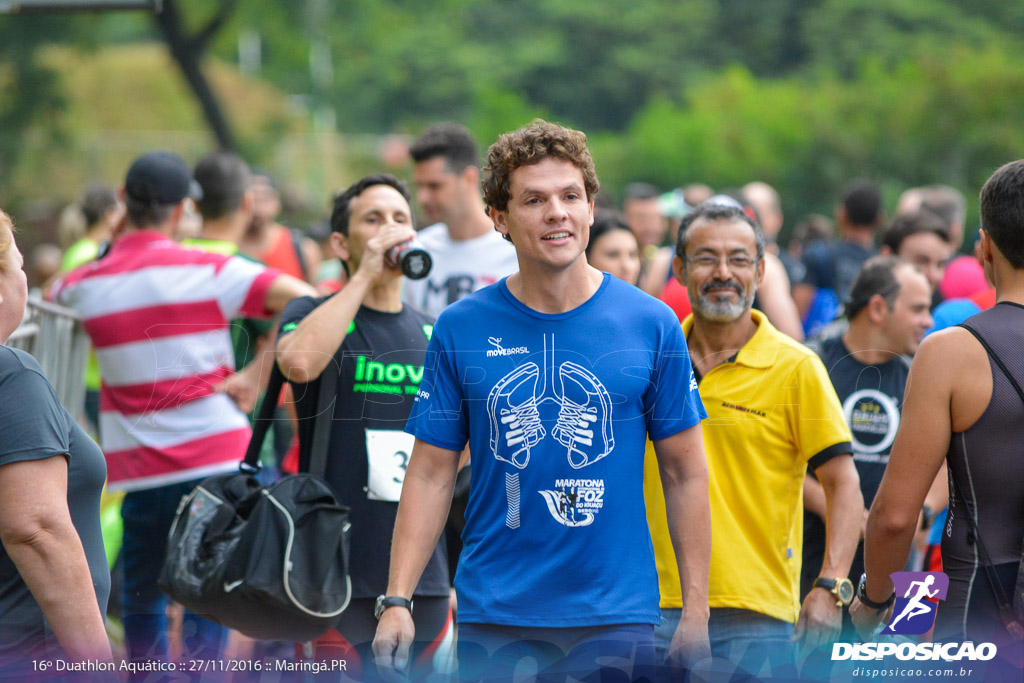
<point>987,462</point>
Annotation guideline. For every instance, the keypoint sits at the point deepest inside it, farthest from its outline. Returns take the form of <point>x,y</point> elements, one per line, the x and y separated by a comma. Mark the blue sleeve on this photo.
<point>34,422</point>
<point>672,404</point>
<point>439,414</point>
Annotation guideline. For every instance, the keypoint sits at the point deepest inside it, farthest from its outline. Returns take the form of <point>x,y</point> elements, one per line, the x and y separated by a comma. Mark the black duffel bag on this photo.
<point>270,562</point>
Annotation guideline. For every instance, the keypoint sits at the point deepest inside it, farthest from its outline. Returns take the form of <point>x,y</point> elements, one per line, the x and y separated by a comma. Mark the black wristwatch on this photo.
<point>842,588</point>
<point>862,595</point>
<point>385,601</point>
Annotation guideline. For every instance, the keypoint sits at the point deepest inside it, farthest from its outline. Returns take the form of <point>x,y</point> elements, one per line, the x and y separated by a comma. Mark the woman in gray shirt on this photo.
<point>54,580</point>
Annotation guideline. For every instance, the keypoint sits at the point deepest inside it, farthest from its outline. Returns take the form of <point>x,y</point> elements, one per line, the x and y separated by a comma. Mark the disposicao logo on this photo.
<point>914,613</point>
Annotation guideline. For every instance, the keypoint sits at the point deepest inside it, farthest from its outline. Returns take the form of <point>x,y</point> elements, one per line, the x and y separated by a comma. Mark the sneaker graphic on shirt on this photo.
<point>515,420</point>
<point>584,423</point>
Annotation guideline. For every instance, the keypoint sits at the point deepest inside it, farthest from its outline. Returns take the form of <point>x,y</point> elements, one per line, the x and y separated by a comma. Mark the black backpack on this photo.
<point>268,561</point>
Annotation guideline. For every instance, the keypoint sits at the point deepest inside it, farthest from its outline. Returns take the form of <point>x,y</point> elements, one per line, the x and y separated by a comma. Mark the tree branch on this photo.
<point>201,40</point>
<point>184,51</point>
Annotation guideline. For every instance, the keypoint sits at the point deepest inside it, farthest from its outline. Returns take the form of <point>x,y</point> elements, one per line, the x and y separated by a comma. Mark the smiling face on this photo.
<point>905,325</point>
<point>721,270</point>
<point>548,216</point>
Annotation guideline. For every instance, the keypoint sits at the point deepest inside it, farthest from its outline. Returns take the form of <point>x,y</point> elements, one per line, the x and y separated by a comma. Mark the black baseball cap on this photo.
<point>161,177</point>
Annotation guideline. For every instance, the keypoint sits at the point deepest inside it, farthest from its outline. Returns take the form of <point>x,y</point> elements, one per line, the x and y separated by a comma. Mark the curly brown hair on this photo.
<point>530,145</point>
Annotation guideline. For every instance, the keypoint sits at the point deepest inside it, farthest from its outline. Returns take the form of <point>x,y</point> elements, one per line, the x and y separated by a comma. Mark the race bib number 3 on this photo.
<point>388,453</point>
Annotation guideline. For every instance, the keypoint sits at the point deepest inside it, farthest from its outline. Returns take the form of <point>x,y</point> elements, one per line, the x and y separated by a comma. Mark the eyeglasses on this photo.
<point>709,262</point>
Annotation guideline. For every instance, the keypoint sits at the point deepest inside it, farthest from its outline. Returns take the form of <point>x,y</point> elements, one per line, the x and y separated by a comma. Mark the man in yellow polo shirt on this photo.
<point>772,414</point>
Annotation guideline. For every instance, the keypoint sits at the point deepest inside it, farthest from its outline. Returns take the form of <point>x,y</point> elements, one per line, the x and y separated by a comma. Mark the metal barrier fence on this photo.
<point>55,337</point>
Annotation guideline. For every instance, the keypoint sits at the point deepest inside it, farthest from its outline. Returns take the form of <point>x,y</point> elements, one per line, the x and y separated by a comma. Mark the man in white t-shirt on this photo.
<point>467,252</point>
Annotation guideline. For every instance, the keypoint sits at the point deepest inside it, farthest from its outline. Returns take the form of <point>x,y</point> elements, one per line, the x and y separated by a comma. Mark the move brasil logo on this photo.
<point>914,614</point>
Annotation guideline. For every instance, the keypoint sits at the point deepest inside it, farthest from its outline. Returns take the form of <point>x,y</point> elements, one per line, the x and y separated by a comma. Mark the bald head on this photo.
<point>768,205</point>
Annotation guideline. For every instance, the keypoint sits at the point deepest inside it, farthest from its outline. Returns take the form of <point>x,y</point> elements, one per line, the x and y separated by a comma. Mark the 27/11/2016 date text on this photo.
<point>233,665</point>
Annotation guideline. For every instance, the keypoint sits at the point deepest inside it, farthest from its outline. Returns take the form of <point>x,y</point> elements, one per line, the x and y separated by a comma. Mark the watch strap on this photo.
<point>386,601</point>
<point>862,595</point>
<point>825,582</point>
<point>835,587</point>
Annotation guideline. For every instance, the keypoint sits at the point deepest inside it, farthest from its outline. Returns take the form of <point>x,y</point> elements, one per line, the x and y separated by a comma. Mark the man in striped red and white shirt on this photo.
<point>158,315</point>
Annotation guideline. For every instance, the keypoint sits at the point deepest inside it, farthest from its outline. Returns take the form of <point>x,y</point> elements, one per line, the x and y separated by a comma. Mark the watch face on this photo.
<point>845,591</point>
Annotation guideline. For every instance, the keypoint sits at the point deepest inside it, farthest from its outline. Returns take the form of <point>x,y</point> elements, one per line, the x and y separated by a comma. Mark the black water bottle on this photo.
<point>412,257</point>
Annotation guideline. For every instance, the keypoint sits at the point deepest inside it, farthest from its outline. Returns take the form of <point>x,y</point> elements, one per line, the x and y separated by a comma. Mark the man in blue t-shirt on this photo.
<point>555,376</point>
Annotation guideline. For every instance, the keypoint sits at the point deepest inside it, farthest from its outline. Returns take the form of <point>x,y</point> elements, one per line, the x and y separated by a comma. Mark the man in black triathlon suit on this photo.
<point>378,345</point>
<point>961,406</point>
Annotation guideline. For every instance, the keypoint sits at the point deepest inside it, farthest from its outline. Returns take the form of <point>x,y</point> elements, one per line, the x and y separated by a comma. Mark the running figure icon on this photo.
<point>915,607</point>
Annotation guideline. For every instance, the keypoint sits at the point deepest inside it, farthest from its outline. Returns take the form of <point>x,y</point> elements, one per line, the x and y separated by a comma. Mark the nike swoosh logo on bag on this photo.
<point>228,587</point>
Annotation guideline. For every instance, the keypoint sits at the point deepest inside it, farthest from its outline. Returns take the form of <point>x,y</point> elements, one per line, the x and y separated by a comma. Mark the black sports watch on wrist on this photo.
<point>842,588</point>
<point>862,595</point>
<point>385,601</point>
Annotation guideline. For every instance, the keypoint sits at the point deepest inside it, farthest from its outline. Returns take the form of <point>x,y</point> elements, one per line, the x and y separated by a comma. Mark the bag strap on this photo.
<point>324,417</point>
<point>261,425</point>
<point>1006,609</point>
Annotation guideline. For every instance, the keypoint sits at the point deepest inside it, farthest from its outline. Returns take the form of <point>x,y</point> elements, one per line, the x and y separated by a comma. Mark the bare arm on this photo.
<point>304,353</point>
<point>37,532</point>
<point>820,619</point>
<point>776,301</point>
<point>917,454</point>
<point>244,386</point>
<point>844,506</point>
<point>422,512</point>
<point>283,289</point>
<point>684,476</point>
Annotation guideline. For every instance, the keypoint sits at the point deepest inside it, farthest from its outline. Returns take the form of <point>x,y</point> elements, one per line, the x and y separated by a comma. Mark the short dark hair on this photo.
<point>905,225</point>
<point>1002,211</point>
<point>641,191</point>
<point>343,200</point>
<point>448,140</point>
<point>606,221</point>
<point>530,145</point>
<point>710,211</point>
<point>863,203</point>
<point>144,214</point>
<point>97,199</point>
<point>224,177</point>
<point>876,277</point>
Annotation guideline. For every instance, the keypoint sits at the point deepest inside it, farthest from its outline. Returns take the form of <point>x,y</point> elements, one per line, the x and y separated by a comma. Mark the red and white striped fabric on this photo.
<point>158,315</point>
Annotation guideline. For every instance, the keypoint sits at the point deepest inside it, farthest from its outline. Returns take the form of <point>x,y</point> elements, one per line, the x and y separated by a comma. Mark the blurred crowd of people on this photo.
<point>801,353</point>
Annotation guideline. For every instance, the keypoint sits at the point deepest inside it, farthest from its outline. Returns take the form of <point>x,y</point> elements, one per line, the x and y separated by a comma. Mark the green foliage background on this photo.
<point>803,94</point>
